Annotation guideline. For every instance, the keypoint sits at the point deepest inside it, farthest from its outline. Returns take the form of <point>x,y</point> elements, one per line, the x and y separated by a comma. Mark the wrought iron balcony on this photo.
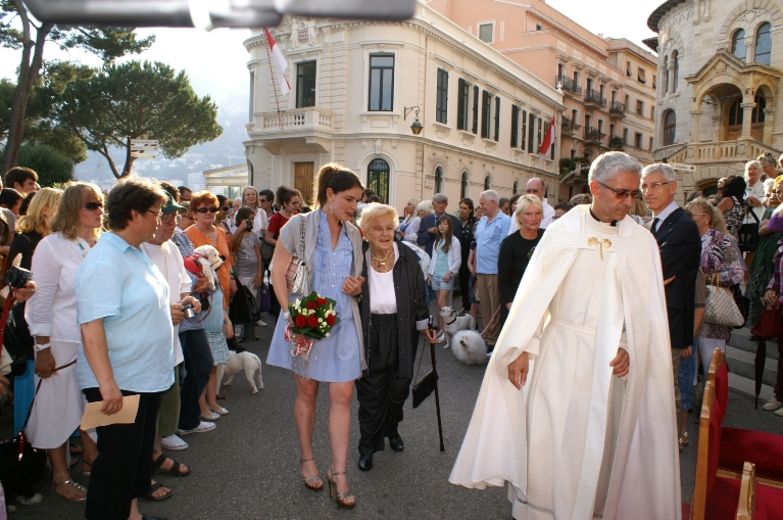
<point>617,109</point>
<point>594,97</point>
<point>568,85</point>
<point>594,135</point>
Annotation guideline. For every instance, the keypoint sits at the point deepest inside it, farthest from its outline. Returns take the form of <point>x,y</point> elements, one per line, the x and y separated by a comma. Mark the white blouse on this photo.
<point>52,309</point>
<point>383,299</point>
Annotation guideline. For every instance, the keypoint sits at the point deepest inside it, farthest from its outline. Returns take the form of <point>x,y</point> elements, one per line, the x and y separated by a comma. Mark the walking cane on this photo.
<point>437,398</point>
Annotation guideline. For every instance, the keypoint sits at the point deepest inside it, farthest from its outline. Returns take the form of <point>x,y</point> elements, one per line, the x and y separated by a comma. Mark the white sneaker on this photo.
<point>203,426</point>
<point>779,412</point>
<point>261,323</point>
<point>173,442</point>
<point>772,405</point>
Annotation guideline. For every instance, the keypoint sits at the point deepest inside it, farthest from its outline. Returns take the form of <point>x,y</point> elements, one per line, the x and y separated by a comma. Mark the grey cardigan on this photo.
<point>289,238</point>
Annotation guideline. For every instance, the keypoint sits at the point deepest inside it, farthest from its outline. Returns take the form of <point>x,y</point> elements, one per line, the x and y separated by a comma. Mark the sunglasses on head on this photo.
<point>204,210</point>
<point>92,206</point>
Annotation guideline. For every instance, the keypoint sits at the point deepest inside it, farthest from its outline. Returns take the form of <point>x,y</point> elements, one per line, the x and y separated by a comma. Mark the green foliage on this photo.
<point>137,100</point>
<point>51,165</point>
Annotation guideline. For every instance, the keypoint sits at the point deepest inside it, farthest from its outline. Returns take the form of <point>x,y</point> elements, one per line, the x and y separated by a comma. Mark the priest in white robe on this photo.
<point>576,412</point>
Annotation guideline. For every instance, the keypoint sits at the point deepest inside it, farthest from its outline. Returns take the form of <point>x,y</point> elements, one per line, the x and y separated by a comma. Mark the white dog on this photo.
<point>204,261</point>
<point>237,361</point>
<point>454,322</point>
<point>469,347</point>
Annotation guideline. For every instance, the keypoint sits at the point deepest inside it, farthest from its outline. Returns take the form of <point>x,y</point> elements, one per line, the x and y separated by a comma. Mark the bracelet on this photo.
<point>38,347</point>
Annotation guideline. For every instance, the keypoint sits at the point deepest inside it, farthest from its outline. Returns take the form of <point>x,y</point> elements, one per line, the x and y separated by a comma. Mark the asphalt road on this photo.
<point>248,467</point>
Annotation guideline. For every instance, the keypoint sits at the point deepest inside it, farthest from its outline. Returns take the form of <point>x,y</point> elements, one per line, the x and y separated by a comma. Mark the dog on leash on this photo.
<point>469,347</point>
<point>204,261</point>
<point>454,322</point>
<point>241,361</point>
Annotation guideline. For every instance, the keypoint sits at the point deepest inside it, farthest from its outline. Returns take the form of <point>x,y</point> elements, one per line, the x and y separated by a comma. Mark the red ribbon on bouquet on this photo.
<point>300,345</point>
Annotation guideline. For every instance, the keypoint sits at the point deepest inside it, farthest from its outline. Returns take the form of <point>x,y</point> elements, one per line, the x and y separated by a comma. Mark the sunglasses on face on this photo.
<point>92,206</point>
<point>622,194</point>
<point>204,210</point>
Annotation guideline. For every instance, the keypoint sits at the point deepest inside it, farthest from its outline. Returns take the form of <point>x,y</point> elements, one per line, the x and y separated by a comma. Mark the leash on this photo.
<point>491,321</point>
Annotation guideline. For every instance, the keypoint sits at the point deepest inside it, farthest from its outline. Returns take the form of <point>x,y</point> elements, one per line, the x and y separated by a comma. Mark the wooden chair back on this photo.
<point>747,495</point>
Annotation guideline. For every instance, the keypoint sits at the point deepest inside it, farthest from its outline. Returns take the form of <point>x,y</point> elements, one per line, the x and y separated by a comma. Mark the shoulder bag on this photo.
<point>295,273</point>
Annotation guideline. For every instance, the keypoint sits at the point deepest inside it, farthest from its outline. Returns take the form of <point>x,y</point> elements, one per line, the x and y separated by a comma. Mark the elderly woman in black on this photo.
<point>394,311</point>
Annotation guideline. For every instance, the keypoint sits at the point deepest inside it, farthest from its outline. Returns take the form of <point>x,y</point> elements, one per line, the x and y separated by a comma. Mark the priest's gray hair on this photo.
<point>664,168</point>
<point>609,164</point>
<point>489,195</point>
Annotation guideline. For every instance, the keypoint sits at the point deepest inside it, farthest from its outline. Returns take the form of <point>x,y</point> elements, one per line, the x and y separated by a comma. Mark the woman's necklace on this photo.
<point>381,263</point>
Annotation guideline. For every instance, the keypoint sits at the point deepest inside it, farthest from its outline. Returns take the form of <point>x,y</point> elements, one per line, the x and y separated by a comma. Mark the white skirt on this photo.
<point>59,404</point>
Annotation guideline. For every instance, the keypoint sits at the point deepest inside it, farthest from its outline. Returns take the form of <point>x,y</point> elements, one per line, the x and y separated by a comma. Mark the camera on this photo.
<point>187,308</point>
<point>17,277</point>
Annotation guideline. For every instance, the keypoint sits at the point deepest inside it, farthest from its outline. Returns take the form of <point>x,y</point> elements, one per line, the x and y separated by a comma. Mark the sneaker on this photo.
<point>203,426</point>
<point>261,323</point>
<point>173,442</point>
<point>211,416</point>
<point>772,405</point>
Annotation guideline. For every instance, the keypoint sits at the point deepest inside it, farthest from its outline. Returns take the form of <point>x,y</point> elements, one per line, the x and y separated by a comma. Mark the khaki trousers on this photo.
<point>489,301</point>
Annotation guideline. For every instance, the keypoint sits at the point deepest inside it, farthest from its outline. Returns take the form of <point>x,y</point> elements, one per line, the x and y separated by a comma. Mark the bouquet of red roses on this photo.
<point>312,318</point>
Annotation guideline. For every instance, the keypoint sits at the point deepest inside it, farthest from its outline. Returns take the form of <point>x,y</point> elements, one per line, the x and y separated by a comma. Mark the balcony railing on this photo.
<point>594,135</point>
<point>617,109</point>
<point>568,84</point>
<point>595,97</point>
<point>300,120</point>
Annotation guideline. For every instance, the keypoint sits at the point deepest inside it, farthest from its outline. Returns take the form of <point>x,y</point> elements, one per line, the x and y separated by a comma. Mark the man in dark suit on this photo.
<point>428,228</point>
<point>680,246</point>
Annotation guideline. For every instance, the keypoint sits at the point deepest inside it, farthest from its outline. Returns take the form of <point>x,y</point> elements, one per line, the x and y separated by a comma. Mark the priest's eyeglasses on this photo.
<point>622,194</point>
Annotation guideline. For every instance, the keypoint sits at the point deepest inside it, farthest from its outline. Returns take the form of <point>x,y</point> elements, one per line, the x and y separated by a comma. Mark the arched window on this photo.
<point>669,126</point>
<point>758,110</point>
<point>487,182</point>
<point>463,189</point>
<point>738,44</point>
<point>763,44</point>
<point>675,70</point>
<point>438,180</point>
<point>665,74</point>
<point>735,113</point>
<point>378,178</point>
<point>515,189</point>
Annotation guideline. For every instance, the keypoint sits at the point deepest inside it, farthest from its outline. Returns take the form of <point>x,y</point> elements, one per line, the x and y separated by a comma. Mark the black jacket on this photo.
<point>411,306</point>
<point>680,245</point>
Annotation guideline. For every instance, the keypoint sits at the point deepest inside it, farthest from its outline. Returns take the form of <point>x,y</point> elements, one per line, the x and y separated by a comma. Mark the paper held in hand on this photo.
<point>93,417</point>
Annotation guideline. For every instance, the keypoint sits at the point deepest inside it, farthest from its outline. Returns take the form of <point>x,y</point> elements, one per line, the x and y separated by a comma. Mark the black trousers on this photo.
<point>381,391</point>
<point>463,276</point>
<point>198,364</point>
<point>123,468</point>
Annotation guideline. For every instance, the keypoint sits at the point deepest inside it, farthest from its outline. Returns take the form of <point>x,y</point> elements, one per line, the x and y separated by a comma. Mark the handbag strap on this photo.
<point>38,387</point>
<point>302,239</point>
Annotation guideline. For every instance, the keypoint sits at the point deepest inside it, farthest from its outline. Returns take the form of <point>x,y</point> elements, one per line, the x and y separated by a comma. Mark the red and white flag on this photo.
<point>549,138</point>
<point>281,63</point>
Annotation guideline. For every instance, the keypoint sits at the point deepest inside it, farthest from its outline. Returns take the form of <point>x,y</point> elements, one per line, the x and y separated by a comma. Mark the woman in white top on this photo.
<point>51,316</point>
<point>250,200</point>
<point>423,209</point>
<point>754,190</point>
<point>444,265</point>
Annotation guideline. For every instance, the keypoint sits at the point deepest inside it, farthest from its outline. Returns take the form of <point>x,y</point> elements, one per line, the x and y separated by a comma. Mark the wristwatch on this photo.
<point>37,347</point>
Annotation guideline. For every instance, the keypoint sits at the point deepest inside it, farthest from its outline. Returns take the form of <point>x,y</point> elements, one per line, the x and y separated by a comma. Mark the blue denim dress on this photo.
<point>336,358</point>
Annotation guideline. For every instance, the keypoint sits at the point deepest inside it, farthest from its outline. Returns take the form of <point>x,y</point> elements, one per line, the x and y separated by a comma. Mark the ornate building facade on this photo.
<point>357,89</point>
<point>719,85</point>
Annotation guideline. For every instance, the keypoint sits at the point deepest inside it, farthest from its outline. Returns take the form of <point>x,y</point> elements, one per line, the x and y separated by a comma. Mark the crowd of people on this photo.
<point>131,259</point>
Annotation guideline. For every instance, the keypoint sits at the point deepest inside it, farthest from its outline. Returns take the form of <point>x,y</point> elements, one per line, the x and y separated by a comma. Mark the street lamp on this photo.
<point>416,126</point>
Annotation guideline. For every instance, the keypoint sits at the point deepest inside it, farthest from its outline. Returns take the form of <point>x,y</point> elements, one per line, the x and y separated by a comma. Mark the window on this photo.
<point>540,132</point>
<point>381,82</point>
<point>735,113</point>
<point>252,95</point>
<point>625,136</point>
<point>763,44</point>
<point>514,125</point>
<point>669,127</point>
<point>539,27</point>
<point>600,126</point>
<point>758,111</point>
<point>738,44</point>
<point>628,71</point>
<point>531,129</point>
<point>486,106</point>
<point>442,97</point>
<point>378,178</point>
<point>560,70</point>
<point>637,140</point>
<point>576,79</point>
<point>589,86</point>
<point>675,70</point>
<point>463,93</point>
<point>654,78</point>
<point>463,189</point>
<point>497,118</point>
<point>651,144</point>
<point>627,102</point>
<point>438,180</point>
<point>640,107</point>
<point>486,32</point>
<point>641,75</point>
<point>515,187</point>
<point>475,108</point>
<point>652,113</point>
<point>487,183</point>
<point>305,84</point>
<point>523,134</point>
<point>574,116</point>
<point>665,75</point>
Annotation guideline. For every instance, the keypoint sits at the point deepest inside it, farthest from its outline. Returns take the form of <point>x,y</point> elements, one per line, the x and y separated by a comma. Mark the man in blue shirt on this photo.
<point>491,229</point>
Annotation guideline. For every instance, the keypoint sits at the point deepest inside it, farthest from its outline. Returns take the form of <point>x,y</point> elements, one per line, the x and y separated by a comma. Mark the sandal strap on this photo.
<point>72,483</point>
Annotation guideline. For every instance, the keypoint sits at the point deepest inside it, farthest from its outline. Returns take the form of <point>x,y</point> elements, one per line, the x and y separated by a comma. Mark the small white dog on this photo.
<point>204,261</point>
<point>455,322</point>
<point>469,347</point>
<point>241,361</point>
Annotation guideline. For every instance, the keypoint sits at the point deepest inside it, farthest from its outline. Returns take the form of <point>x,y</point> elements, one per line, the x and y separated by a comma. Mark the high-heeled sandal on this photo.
<point>313,482</point>
<point>344,499</point>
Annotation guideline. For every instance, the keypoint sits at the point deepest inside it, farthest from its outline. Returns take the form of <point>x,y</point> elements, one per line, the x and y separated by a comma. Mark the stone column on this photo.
<point>747,115</point>
<point>769,124</point>
<point>696,125</point>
